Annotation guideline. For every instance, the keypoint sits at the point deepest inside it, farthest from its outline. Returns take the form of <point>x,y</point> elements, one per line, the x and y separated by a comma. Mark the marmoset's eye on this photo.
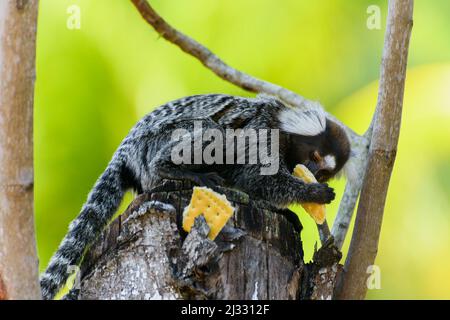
<point>315,156</point>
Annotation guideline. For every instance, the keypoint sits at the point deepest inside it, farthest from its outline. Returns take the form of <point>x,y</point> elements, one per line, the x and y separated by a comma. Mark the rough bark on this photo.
<point>18,259</point>
<point>383,148</point>
<point>144,254</point>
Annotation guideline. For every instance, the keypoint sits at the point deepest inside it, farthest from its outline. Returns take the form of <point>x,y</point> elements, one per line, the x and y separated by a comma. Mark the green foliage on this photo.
<point>95,82</point>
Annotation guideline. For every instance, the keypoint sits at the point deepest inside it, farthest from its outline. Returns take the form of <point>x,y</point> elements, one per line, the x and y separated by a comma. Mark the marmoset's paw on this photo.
<point>319,193</point>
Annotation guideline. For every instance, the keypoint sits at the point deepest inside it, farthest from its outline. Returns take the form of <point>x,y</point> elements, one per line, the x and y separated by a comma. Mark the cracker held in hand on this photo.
<point>315,210</point>
<point>215,207</point>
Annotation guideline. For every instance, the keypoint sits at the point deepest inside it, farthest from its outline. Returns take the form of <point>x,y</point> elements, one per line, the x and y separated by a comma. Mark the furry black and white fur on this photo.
<point>143,160</point>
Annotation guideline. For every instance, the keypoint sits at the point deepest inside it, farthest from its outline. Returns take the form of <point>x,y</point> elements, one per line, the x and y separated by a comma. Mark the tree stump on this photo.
<point>145,254</point>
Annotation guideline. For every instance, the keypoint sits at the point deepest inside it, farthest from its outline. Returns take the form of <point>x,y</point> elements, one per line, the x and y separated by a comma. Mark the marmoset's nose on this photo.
<point>312,166</point>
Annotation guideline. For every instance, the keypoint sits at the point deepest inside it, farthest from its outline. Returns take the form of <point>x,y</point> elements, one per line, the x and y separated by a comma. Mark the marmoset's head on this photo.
<point>315,141</point>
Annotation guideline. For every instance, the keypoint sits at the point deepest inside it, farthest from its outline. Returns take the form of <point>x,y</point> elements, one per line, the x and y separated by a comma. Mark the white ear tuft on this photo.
<point>309,120</point>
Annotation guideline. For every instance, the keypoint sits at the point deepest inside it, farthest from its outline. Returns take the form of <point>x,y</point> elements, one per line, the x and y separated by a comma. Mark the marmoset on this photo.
<point>146,157</point>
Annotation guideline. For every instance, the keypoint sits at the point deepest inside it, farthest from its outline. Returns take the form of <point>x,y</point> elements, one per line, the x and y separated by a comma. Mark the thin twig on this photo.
<point>324,232</point>
<point>215,64</point>
<point>383,148</point>
<point>348,202</point>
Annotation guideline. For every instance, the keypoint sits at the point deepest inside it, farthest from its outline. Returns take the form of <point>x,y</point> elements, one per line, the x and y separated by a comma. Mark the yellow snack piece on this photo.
<point>316,211</point>
<point>215,207</point>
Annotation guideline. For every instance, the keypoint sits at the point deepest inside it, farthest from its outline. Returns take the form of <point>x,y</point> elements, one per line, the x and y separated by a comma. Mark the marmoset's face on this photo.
<point>322,166</point>
<point>324,154</point>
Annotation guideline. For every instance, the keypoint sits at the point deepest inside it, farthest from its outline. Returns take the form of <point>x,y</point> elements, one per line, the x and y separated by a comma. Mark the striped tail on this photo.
<point>97,212</point>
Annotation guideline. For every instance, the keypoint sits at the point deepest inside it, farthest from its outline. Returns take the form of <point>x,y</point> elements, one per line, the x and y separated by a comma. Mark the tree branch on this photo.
<point>383,148</point>
<point>218,66</point>
<point>18,258</point>
<point>210,60</point>
<point>347,205</point>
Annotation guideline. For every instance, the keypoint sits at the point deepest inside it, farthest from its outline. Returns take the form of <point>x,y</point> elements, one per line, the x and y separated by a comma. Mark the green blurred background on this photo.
<point>95,82</point>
